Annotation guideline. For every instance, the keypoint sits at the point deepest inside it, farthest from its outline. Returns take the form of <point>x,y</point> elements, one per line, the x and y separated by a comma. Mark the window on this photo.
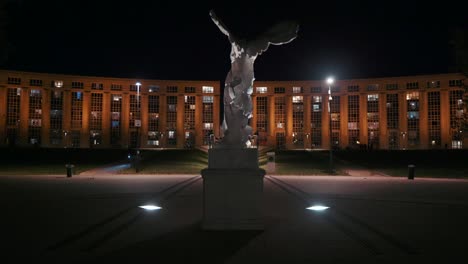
<point>456,83</point>
<point>189,112</point>
<point>116,87</point>
<point>97,86</point>
<point>208,99</point>
<point>372,97</point>
<point>77,85</point>
<point>412,85</point>
<point>280,90</point>
<point>262,90</point>
<point>391,86</point>
<point>57,84</point>
<point>316,89</point>
<point>433,107</point>
<point>76,110</point>
<point>134,87</point>
<point>262,118</point>
<point>14,80</point>
<point>171,89</point>
<point>190,89</point>
<point>153,89</point>
<point>372,87</point>
<point>297,90</point>
<point>208,89</point>
<point>353,88</point>
<point>35,82</point>
<point>316,121</point>
<point>280,113</point>
<point>335,88</point>
<point>433,84</point>
<point>297,99</point>
<point>353,119</point>
<point>116,110</point>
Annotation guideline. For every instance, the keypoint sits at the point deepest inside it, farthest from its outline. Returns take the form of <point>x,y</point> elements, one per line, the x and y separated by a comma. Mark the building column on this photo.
<point>106,119</point>
<point>423,121</point>
<point>307,121</point>
<point>125,120</point>
<point>3,114</point>
<point>24,118</point>
<point>403,122</point>
<point>363,127</point>
<point>144,120</point>
<point>289,122</point>
<point>180,130</point>
<point>344,134</point>
<point>383,135</point>
<point>85,141</point>
<point>326,137</point>
<point>45,128</point>
<point>271,138</point>
<point>445,119</point>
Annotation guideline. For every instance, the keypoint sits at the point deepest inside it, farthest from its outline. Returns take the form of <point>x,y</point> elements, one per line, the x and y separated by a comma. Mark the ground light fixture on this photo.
<point>150,207</point>
<point>317,208</point>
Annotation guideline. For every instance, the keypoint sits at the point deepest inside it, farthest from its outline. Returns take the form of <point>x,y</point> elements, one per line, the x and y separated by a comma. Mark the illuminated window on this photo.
<point>208,99</point>
<point>297,90</point>
<point>76,110</point>
<point>35,116</point>
<point>280,111</point>
<point>412,104</point>
<point>262,119</point>
<point>58,84</point>
<point>297,99</point>
<point>189,112</point>
<point>208,89</point>
<point>261,90</point>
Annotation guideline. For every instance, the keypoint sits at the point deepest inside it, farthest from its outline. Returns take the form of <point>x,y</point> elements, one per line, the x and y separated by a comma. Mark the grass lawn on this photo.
<point>304,163</point>
<point>171,162</point>
<point>16,161</point>
<point>428,163</point>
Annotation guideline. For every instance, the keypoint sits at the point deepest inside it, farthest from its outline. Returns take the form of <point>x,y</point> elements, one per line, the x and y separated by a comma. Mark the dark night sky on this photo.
<point>148,39</point>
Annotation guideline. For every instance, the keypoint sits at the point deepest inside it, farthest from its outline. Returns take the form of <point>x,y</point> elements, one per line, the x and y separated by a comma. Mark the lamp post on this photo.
<point>330,81</point>
<point>137,125</point>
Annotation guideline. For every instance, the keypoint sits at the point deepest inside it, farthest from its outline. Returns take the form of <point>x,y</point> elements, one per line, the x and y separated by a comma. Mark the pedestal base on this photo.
<point>233,197</point>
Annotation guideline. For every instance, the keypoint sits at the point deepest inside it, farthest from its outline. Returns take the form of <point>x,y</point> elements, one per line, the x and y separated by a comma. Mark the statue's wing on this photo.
<point>279,34</point>
<point>221,26</point>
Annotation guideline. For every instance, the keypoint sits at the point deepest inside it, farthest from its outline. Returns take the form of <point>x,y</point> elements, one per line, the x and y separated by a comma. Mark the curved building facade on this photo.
<point>51,110</point>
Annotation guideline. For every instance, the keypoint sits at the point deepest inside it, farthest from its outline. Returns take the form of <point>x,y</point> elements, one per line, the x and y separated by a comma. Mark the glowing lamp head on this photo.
<point>330,80</point>
<point>138,83</point>
<point>318,208</point>
<point>150,207</point>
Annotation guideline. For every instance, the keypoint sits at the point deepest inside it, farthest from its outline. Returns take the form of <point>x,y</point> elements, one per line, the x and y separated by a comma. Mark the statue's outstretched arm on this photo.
<point>221,26</point>
<point>279,34</point>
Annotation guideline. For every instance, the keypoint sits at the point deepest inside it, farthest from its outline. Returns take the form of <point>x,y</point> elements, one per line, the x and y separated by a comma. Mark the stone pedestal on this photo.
<point>233,190</point>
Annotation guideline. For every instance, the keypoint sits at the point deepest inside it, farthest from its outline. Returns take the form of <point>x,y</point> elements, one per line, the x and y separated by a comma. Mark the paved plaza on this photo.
<point>92,218</point>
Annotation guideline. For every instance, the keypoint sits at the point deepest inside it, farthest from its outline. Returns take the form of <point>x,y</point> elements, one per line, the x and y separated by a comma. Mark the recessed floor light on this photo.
<point>150,207</point>
<point>318,208</point>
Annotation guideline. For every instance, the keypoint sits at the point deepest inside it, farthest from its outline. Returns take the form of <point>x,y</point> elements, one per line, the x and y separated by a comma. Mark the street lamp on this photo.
<point>330,81</point>
<point>137,125</point>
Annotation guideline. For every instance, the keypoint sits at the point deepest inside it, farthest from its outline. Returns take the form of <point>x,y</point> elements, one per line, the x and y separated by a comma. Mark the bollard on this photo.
<point>411,172</point>
<point>69,169</point>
